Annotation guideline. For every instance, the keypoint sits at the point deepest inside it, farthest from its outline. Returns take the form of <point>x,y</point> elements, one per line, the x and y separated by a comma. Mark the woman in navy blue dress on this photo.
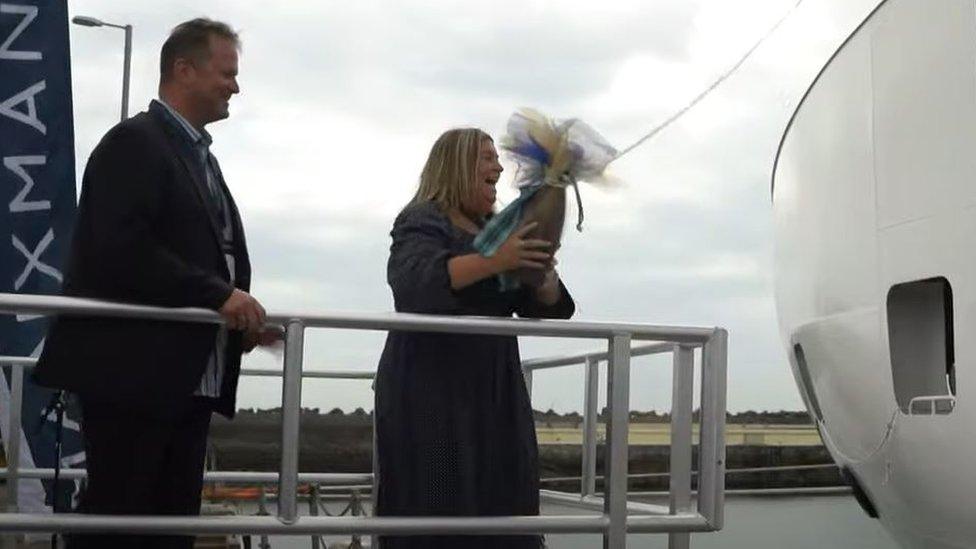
<point>455,432</point>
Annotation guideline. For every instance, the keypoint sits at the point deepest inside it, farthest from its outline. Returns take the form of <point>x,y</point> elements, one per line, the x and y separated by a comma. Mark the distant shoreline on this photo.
<point>343,443</point>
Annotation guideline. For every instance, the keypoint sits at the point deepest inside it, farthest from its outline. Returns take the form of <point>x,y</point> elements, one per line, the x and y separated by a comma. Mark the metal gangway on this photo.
<point>616,515</point>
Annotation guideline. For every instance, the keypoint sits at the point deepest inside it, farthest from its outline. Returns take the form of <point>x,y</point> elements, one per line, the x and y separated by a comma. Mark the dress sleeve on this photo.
<point>417,268</point>
<point>529,307</point>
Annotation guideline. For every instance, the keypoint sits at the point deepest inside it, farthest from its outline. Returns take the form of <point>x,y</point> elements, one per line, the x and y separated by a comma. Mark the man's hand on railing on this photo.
<point>269,336</point>
<point>242,312</point>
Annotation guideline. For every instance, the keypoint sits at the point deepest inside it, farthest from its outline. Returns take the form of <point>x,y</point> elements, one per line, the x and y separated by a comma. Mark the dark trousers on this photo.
<point>143,463</point>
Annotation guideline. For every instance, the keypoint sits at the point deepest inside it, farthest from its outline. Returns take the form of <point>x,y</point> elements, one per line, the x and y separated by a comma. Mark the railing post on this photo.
<point>711,464</point>
<point>313,511</point>
<point>263,542</point>
<point>615,485</point>
<point>13,447</point>
<point>13,436</point>
<point>291,409</point>
<point>590,421</point>
<point>374,540</point>
<point>682,396</point>
<point>355,509</point>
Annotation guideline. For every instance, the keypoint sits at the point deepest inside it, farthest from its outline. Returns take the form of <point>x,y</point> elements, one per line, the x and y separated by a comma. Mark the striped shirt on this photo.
<point>201,140</point>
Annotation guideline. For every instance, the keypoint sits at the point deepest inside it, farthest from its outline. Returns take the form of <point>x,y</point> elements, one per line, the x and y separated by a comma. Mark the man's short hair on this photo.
<point>191,40</point>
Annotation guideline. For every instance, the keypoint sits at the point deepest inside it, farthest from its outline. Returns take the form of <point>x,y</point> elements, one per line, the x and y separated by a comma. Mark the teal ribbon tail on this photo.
<point>499,228</point>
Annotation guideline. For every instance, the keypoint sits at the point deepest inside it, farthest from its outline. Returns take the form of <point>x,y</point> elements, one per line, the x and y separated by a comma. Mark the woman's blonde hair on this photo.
<point>448,177</point>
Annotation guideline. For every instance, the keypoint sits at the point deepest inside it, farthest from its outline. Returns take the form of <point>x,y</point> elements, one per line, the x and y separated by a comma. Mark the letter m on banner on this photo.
<point>37,208</point>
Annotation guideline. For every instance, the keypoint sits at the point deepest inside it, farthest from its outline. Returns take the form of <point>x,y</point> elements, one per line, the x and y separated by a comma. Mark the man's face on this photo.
<point>214,81</point>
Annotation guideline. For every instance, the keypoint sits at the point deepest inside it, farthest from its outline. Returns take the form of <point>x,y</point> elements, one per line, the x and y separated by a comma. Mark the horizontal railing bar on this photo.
<point>364,496</point>
<point>27,361</point>
<point>341,493</point>
<point>338,489</point>
<point>529,364</point>
<point>693,472</point>
<point>50,305</point>
<point>361,480</point>
<point>786,492</point>
<point>741,492</point>
<point>671,524</point>
<point>762,492</point>
<point>23,522</point>
<point>660,520</point>
<point>306,525</point>
<point>596,503</point>
<point>508,326</point>
<point>235,477</point>
<point>336,481</point>
<point>30,362</point>
<point>555,362</point>
<point>321,374</point>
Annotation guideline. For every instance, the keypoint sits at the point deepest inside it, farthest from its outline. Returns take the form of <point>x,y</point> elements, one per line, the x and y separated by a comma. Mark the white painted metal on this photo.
<point>291,406</point>
<point>375,485</point>
<point>873,187</point>
<point>48,305</point>
<point>597,503</point>
<point>928,405</point>
<point>14,431</point>
<point>683,382</point>
<point>711,459</point>
<point>340,480</point>
<point>618,399</point>
<point>313,511</point>
<point>571,360</point>
<point>614,523</point>
<point>309,525</point>
<point>590,419</point>
<point>311,374</point>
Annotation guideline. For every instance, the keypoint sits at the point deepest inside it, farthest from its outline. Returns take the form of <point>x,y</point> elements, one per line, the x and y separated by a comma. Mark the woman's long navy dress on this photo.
<point>455,432</point>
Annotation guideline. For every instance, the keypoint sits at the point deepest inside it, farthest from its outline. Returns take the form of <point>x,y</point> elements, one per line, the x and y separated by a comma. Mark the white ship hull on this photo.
<point>874,194</point>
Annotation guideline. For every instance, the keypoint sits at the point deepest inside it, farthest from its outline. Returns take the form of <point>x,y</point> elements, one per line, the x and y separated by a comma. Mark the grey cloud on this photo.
<point>404,72</point>
<point>363,58</point>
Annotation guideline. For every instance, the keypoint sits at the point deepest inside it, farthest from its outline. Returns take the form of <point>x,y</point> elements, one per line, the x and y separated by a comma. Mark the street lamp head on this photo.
<point>86,21</point>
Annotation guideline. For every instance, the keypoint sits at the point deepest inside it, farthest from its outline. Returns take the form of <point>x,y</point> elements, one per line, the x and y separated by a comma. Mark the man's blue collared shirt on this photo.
<point>200,141</point>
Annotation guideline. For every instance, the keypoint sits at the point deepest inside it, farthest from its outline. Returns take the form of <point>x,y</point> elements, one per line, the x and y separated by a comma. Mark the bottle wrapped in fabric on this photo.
<point>547,207</point>
<point>551,156</point>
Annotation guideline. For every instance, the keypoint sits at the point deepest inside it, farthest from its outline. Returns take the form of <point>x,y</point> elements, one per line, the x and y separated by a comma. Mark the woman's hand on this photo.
<point>548,293</point>
<point>518,252</point>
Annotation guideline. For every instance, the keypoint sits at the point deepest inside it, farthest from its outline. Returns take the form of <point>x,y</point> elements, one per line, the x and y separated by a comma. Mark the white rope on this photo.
<point>674,117</point>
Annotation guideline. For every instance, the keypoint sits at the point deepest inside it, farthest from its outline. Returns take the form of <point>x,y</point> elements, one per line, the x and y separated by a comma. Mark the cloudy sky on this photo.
<point>341,101</point>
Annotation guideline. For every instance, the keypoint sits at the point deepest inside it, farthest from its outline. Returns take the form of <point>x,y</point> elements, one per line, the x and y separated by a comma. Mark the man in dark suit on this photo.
<point>157,225</point>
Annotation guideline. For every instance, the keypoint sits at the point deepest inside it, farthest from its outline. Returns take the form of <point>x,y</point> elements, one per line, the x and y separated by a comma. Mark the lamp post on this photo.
<point>92,22</point>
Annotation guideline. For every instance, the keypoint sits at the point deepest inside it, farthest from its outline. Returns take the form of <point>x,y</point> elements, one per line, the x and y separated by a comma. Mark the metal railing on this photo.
<point>618,515</point>
<point>939,405</point>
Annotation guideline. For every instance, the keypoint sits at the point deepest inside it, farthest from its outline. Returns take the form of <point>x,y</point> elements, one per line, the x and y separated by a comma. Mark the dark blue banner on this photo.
<point>37,199</point>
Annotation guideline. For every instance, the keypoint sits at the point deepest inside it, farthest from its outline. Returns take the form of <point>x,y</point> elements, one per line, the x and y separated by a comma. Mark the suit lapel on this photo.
<point>204,195</point>
<point>243,260</point>
<point>182,151</point>
<point>237,225</point>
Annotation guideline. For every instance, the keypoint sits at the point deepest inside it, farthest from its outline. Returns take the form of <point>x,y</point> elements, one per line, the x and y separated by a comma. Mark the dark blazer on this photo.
<point>146,232</point>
